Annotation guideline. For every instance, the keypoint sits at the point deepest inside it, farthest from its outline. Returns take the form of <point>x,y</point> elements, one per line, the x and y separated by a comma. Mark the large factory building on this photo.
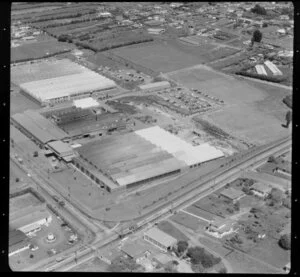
<point>128,160</point>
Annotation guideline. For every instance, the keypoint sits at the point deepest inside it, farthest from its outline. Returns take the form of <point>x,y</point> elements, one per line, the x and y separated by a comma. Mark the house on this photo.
<point>136,251</point>
<point>220,227</point>
<point>160,239</point>
<point>232,194</point>
<point>261,189</point>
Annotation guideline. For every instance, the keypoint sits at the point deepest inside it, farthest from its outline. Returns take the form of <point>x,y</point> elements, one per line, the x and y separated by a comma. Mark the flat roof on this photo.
<point>134,249</point>
<point>67,85</point>
<point>232,193</point>
<point>40,127</point>
<point>261,187</point>
<point>161,237</point>
<point>85,103</point>
<point>60,146</point>
<point>179,148</point>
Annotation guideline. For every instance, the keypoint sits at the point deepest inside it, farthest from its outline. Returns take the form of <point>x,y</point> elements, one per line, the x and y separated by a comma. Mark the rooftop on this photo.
<point>86,103</point>
<point>134,249</point>
<point>232,193</point>
<point>161,237</point>
<point>60,147</point>
<point>261,187</point>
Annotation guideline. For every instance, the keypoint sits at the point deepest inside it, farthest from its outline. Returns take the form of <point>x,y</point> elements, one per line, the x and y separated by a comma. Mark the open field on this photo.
<point>33,10</point>
<point>158,57</point>
<point>38,49</point>
<point>94,265</point>
<point>170,229</point>
<point>186,220</point>
<point>251,107</point>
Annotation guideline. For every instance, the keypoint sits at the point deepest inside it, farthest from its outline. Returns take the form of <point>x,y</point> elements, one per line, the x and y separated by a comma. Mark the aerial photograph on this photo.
<point>151,137</point>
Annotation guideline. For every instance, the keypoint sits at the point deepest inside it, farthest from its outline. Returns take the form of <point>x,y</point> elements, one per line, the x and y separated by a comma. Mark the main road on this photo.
<point>209,184</point>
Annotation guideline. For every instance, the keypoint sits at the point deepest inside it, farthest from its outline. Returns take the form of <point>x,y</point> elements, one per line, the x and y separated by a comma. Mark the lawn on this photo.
<point>158,57</point>
<point>170,229</point>
<point>186,220</point>
<point>37,50</point>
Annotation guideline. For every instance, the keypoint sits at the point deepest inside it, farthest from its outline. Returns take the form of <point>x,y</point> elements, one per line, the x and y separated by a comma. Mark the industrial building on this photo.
<point>160,239</point>
<point>17,242</point>
<point>274,69</point>
<point>37,127</point>
<point>152,87</point>
<point>260,69</point>
<point>135,158</point>
<point>29,218</point>
<point>62,150</point>
<point>65,88</point>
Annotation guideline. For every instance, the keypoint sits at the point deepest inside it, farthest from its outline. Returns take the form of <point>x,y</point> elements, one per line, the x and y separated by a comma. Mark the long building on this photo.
<point>260,69</point>
<point>65,88</point>
<point>128,160</point>
<point>274,69</point>
<point>17,242</point>
<point>155,86</point>
<point>37,127</point>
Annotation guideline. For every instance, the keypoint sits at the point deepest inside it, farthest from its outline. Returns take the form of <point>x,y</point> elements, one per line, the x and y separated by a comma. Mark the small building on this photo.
<point>18,242</point>
<point>220,227</point>
<point>232,194</point>
<point>62,150</point>
<point>160,239</point>
<point>260,69</point>
<point>136,251</point>
<point>155,86</point>
<point>273,68</point>
<point>260,189</point>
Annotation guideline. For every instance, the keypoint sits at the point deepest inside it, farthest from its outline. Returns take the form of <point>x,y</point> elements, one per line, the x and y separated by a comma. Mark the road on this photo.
<point>207,187</point>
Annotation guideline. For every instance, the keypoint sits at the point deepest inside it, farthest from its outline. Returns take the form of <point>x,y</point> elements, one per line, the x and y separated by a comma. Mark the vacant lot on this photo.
<point>252,107</point>
<point>158,57</point>
<point>170,229</point>
<point>37,50</point>
<point>186,220</point>
<point>94,265</point>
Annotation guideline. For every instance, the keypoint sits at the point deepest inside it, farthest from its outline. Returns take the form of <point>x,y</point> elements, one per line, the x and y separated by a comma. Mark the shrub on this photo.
<point>285,242</point>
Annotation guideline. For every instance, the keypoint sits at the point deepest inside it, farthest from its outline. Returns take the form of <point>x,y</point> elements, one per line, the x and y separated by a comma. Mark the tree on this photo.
<point>259,10</point>
<point>288,118</point>
<point>256,37</point>
<point>285,241</point>
<point>223,270</point>
<point>182,246</point>
<point>272,159</point>
<point>198,268</point>
<point>17,180</point>
<point>195,253</point>
<point>265,25</point>
<point>236,206</point>
<point>276,195</point>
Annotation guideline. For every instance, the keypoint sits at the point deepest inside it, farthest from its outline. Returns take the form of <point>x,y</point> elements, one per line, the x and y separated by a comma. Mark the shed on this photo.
<point>232,194</point>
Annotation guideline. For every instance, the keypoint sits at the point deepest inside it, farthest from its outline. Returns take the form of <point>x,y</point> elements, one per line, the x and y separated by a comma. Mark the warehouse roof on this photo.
<point>40,127</point>
<point>16,236</point>
<point>85,103</point>
<point>60,147</point>
<point>179,148</point>
<point>232,193</point>
<point>155,85</point>
<point>67,85</point>
<point>161,237</point>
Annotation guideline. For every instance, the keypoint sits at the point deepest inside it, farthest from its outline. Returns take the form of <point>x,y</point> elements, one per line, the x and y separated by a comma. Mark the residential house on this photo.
<point>261,190</point>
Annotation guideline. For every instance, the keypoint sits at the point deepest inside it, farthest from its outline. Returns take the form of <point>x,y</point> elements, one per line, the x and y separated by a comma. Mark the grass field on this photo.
<point>186,220</point>
<point>38,49</point>
<point>158,57</point>
<point>170,229</point>
<point>251,107</point>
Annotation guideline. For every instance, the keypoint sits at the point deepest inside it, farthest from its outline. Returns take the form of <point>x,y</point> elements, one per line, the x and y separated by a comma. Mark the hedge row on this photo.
<point>42,57</point>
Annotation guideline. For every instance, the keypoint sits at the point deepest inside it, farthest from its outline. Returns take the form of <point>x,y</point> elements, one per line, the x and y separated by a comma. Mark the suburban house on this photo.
<point>220,228</point>
<point>136,251</point>
<point>261,190</point>
<point>232,194</point>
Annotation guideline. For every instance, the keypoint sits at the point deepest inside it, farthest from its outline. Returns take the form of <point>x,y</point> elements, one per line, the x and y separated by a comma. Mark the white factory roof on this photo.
<point>273,68</point>
<point>67,85</point>
<point>180,149</point>
<point>85,103</point>
<point>161,237</point>
<point>260,69</point>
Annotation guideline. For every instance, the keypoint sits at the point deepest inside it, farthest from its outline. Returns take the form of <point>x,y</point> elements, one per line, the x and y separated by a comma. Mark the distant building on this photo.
<point>62,150</point>
<point>274,69</point>
<point>155,31</point>
<point>260,69</point>
<point>136,251</point>
<point>261,190</point>
<point>232,194</point>
<point>18,242</point>
<point>160,239</point>
<point>220,228</point>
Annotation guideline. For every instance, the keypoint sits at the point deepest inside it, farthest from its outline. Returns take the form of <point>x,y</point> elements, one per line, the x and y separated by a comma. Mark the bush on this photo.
<point>259,10</point>
<point>285,242</point>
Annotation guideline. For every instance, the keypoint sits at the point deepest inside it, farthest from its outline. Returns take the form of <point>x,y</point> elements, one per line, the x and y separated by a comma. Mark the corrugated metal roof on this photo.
<point>67,85</point>
<point>161,237</point>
